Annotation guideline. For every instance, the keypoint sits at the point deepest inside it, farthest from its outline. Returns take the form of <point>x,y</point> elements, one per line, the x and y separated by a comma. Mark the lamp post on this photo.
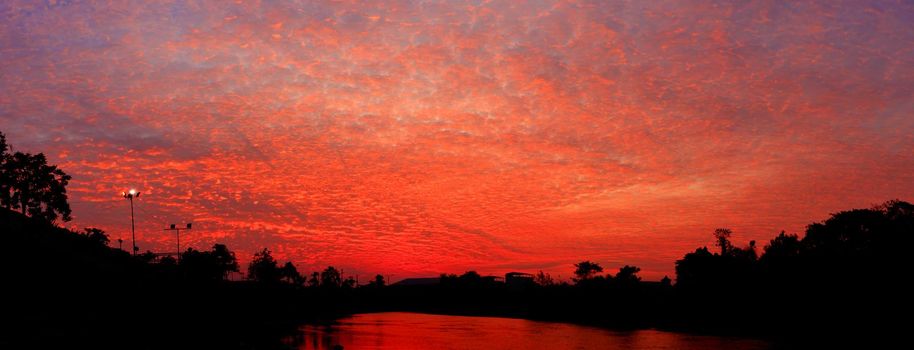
<point>130,195</point>
<point>177,230</point>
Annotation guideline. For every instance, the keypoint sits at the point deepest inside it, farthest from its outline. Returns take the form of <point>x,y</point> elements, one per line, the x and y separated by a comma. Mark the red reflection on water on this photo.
<point>398,330</point>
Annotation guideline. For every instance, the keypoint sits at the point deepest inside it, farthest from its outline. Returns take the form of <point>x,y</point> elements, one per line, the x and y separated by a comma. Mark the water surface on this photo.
<point>401,330</point>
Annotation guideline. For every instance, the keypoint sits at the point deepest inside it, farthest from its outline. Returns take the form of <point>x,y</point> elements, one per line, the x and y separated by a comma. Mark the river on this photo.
<point>401,330</point>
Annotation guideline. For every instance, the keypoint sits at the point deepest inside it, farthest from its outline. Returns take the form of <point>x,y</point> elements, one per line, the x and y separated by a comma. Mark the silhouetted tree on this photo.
<point>842,266</point>
<point>315,280</point>
<point>586,270</point>
<point>746,255</point>
<point>470,277</point>
<point>543,279</point>
<point>378,281</point>
<point>224,259</point>
<point>147,257</point>
<point>290,274</point>
<point>4,147</point>
<point>723,240</point>
<point>331,278</point>
<point>899,213</point>
<point>168,261</point>
<point>696,268</point>
<point>349,283</point>
<point>263,267</point>
<point>628,275</point>
<point>29,184</point>
<point>6,180</point>
<point>782,247</point>
<point>859,245</point>
<point>208,265</point>
<point>96,235</point>
<point>732,268</point>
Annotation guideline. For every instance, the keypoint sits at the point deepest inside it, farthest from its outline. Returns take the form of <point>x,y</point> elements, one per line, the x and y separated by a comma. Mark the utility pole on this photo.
<point>130,195</point>
<point>177,230</point>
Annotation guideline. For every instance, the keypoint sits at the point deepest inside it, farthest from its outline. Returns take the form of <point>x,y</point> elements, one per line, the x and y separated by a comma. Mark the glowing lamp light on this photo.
<point>129,195</point>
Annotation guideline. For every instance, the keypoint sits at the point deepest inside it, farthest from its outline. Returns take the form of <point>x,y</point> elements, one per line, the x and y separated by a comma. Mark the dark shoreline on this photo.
<point>63,288</point>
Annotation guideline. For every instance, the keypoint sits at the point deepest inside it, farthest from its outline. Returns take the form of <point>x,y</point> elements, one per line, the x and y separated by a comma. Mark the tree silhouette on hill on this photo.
<point>843,270</point>
<point>845,242</point>
<point>96,235</point>
<point>30,185</point>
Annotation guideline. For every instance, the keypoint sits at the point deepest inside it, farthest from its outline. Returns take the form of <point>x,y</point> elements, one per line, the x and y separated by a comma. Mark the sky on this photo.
<point>412,138</point>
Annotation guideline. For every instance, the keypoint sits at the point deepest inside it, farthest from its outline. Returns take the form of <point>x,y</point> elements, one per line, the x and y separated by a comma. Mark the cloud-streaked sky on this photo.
<point>417,137</point>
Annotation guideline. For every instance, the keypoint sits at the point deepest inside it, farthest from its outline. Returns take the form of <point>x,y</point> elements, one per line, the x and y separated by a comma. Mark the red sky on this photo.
<point>413,138</point>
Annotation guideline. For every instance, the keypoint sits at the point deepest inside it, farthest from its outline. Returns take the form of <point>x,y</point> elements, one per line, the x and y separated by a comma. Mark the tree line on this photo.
<point>219,262</point>
<point>840,271</point>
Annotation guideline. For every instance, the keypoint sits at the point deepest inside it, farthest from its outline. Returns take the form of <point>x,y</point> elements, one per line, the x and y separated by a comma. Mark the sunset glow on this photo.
<point>415,138</point>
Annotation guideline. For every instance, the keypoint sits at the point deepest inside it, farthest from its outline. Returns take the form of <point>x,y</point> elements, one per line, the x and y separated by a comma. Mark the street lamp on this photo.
<point>178,234</point>
<point>130,195</point>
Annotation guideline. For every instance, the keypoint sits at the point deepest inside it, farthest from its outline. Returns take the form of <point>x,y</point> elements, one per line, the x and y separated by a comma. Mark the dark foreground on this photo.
<point>843,284</point>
